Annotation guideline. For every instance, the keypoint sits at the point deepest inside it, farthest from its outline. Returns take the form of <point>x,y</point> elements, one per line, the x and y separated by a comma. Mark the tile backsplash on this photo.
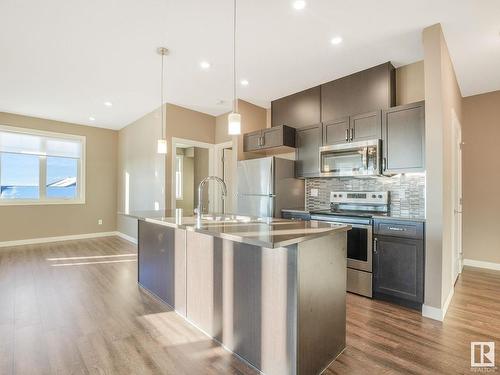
<point>407,192</point>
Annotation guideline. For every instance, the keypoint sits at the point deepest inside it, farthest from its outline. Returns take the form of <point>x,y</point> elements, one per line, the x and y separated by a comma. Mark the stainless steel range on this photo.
<point>357,210</point>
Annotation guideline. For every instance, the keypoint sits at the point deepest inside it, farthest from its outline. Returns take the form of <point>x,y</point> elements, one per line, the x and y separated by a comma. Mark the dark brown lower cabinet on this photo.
<point>398,267</point>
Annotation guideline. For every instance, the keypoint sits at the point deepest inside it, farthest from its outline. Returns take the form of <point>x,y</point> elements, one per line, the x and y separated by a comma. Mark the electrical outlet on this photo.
<point>99,222</point>
<point>314,192</point>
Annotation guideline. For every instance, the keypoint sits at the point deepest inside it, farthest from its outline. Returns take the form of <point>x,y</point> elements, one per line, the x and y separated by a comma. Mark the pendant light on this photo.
<point>234,118</point>
<point>162,142</point>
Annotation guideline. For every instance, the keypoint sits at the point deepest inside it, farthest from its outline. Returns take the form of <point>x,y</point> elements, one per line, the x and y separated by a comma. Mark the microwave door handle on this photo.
<point>365,158</point>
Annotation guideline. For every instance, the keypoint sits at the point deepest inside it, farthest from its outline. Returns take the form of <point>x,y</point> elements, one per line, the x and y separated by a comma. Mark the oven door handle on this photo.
<point>354,225</point>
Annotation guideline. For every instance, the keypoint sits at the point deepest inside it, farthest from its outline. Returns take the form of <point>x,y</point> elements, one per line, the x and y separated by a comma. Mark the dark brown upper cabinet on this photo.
<point>297,110</point>
<point>269,138</point>
<point>361,92</point>
<point>403,136</point>
<point>366,126</point>
<point>308,141</point>
<point>336,132</point>
<point>353,128</point>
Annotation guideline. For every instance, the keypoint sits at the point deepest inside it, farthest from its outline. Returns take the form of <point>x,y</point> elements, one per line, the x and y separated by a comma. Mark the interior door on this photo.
<point>457,197</point>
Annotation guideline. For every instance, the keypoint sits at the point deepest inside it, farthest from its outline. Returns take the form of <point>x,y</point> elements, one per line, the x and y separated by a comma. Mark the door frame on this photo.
<point>191,143</point>
<point>219,167</point>
<point>456,197</point>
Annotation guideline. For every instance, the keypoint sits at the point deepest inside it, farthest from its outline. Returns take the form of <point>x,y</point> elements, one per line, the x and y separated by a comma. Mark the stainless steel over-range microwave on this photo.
<point>351,159</point>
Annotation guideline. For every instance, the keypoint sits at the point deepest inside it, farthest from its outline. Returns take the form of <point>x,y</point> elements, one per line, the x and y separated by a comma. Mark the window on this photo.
<point>40,167</point>
<point>178,177</point>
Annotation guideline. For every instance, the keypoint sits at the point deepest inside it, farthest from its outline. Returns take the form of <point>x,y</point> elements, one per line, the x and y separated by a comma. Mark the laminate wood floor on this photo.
<point>75,308</point>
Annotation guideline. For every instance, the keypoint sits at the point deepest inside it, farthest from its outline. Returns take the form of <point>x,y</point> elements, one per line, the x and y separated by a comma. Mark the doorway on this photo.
<point>456,197</point>
<point>192,161</point>
<point>225,168</point>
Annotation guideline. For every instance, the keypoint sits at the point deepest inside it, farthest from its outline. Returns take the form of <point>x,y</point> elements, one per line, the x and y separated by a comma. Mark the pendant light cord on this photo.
<point>235,101</point>
<point>161,106</point>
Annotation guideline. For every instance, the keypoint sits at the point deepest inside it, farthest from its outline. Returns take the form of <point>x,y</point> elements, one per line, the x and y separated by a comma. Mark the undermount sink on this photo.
<point>228,218</point>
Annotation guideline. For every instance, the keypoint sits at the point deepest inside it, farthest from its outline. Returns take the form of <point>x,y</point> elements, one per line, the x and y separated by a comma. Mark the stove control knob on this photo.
<point>380,196</point>
<point>335,195</point>
<point>374,196</point>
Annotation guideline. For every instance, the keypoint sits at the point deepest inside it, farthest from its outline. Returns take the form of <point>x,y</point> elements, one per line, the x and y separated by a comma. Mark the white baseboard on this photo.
<point>127,237</point>
<point>32,241</point>
<point>436,313</point>
<point>481,264</point>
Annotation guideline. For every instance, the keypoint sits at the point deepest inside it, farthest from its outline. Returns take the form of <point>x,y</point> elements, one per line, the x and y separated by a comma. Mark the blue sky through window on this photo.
<point>19,170</point>
<point>60,168</point>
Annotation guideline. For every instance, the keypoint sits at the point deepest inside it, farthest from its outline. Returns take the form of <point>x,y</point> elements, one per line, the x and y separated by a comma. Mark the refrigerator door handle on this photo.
<point>256,195</point>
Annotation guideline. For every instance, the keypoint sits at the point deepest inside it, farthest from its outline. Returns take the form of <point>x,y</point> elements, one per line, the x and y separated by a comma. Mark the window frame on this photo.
<point>42,172</point>
<point>180,196</point>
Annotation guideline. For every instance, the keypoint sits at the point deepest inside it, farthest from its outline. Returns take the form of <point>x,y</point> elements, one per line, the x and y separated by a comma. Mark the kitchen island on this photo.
<point>270,290</point>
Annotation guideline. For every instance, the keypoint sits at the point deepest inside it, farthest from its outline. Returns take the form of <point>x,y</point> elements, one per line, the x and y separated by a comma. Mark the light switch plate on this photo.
<point>314,192</point>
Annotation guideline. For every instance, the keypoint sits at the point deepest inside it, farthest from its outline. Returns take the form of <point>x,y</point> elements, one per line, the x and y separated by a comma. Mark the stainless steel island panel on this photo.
<point>280,309</point>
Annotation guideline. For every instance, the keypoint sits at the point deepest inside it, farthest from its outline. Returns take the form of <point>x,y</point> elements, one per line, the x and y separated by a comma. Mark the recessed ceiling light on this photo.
<point>336,40</point>
<point>91,118</point>
<point>108,104</point>
<point>299,4</point>
<point>244,82</point>
<point>205,65</point>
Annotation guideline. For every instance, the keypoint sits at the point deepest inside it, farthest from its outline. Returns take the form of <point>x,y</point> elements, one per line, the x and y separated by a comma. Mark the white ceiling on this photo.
<point>62,59</point>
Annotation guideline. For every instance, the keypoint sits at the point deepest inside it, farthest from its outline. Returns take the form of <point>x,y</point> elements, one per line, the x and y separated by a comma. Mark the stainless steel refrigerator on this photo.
<point>267,185</point>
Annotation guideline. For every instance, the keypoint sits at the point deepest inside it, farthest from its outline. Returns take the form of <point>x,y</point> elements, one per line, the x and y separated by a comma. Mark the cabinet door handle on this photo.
<point>347,135</point>
<point>384,164</point>
<point>352,134</point>
<point>375,241</point>
<point>397,229</point>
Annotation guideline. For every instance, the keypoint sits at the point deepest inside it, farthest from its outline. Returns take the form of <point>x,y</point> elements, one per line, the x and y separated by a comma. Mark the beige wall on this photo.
<point>442,96</point>
<point>200,171</point>
<point>410,83</point>
<point>187,124</point>
<point>37,221</point>
<point>481,177</point>
<point>221,135</point>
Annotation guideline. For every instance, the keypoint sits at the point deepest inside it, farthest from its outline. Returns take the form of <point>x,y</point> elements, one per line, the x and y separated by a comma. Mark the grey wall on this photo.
<point>407,192</point>
<point>141,171</point>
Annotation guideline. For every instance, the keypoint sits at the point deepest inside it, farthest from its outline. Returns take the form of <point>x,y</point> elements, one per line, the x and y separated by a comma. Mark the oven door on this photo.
<point>359,241</point>
<point>350,159</point>
<point>360,247</point>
